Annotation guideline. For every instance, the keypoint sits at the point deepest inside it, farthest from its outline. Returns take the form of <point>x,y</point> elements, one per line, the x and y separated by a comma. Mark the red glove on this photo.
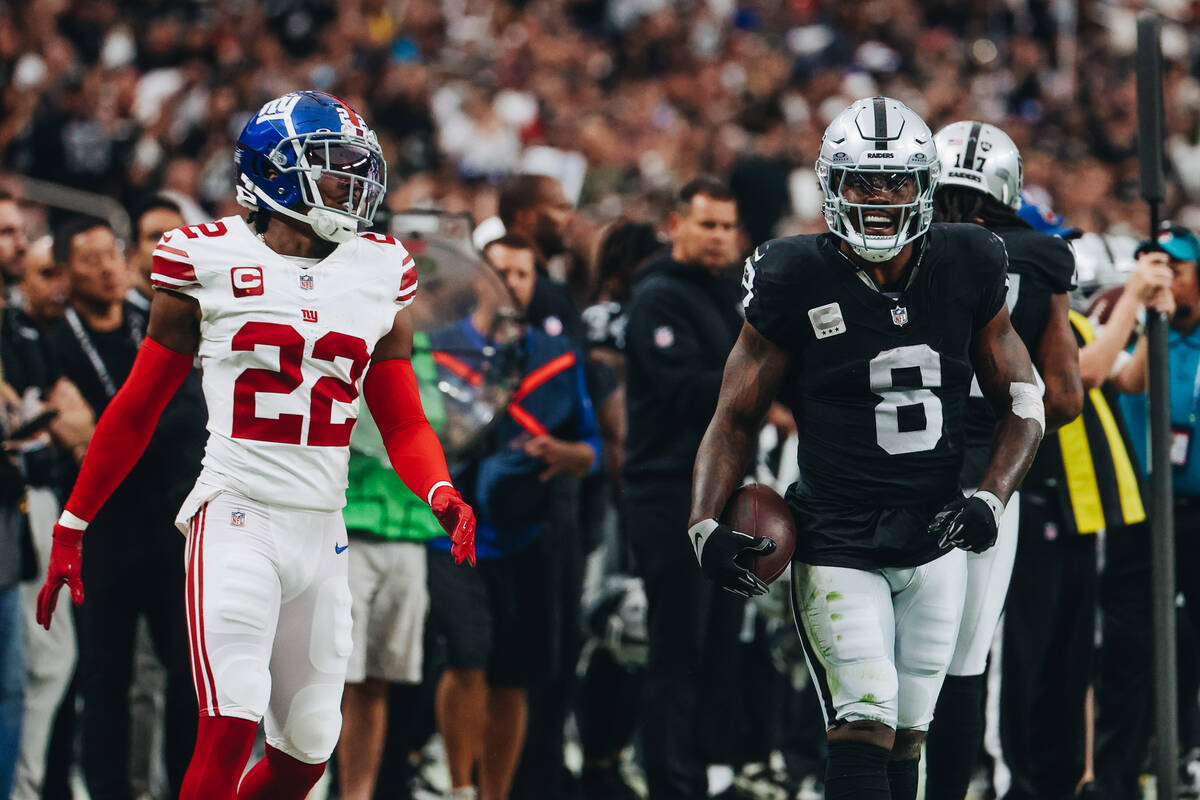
<point>66,559</point>
<point>458,519</point>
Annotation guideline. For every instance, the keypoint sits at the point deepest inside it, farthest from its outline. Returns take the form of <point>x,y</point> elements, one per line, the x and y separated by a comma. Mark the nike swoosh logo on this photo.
<point>341,549</point>
<point>757,255</point>
<point>699,541</point>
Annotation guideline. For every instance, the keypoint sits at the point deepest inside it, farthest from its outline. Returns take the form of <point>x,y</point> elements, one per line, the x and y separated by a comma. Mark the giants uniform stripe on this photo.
<point>189,608</point>
<point>408,281</point>
<point>206,690</point>
<point>172,273</point>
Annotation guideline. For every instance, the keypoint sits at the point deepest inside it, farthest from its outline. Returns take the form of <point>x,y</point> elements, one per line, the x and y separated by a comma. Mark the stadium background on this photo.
<point>632,96</point>
<point>623,100</point>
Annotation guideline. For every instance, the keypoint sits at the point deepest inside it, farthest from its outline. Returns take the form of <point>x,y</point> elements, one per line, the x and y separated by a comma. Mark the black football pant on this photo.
<point>1049,633</point>
<point>1125,683</point>
<point>125,577</point>
<point>691,710</point>
<point>542,770</point>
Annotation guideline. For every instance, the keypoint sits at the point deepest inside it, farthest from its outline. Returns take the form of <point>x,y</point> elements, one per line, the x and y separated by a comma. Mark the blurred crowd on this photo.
<point>623,99</point>
<point>617,104</point>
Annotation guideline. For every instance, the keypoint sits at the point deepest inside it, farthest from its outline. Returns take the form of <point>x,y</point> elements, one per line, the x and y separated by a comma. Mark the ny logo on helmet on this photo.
<point>279,107</point>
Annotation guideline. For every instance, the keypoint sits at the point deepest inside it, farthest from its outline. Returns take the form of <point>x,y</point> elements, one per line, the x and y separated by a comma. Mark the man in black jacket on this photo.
<point>683,320</point>
<point>135,533</point>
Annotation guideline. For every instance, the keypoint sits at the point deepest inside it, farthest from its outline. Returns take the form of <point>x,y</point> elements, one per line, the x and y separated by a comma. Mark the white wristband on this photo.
<point>434,488</point>
<point>699,534</point>
<point>993,503</point>
<point>69,520</point>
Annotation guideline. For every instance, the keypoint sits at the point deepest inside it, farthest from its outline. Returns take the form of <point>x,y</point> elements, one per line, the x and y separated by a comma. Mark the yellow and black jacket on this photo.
<point>1089,462</point>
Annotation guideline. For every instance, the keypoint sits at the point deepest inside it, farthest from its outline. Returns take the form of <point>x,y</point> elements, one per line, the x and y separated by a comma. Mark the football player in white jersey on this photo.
<point>285,311</point>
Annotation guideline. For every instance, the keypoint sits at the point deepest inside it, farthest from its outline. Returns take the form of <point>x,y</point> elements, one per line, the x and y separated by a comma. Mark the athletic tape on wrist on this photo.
<point>1027,402</point>
<point>993,503</point>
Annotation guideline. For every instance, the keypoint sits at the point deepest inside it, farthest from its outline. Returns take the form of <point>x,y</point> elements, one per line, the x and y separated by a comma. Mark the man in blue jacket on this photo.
<point>491,618</point>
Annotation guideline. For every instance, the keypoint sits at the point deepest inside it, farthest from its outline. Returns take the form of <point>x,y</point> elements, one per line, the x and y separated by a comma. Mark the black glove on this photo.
<point>967,522</point>
<point>719,548</point>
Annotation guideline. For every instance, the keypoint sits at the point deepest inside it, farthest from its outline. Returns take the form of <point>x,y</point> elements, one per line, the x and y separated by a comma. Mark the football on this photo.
<point>758,510</point>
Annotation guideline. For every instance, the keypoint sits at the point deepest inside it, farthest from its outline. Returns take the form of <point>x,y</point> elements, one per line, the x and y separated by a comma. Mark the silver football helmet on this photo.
<point>878,150</point>
<point>980,156</point>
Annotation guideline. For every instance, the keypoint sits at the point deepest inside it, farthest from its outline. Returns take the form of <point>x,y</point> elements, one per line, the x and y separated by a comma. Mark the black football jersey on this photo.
<point>878,385</point>
<point>1039,265</point>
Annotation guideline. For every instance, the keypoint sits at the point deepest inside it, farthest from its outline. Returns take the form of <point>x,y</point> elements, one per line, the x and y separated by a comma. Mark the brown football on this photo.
<point>757,510</point>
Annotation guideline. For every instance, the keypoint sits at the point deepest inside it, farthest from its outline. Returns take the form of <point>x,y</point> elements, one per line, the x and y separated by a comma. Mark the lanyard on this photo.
<point>89,349</point>
<point>1195,397</point>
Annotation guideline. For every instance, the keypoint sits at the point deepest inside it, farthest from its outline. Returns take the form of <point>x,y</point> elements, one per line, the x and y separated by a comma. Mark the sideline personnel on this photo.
<point>683,321</point>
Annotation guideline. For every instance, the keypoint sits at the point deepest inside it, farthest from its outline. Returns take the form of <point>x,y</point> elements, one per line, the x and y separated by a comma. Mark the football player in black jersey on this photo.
<point>981,183</point>
<point>871,334</point>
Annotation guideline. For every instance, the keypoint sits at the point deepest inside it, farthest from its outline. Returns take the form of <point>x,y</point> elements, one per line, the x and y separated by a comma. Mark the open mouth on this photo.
<point>879,223</point>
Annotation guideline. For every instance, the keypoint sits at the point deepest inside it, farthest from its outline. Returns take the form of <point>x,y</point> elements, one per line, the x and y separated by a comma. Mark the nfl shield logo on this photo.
<point>900,316</point>
<point>664,337</point>
<point>237,519</point>
<point>306,282</point>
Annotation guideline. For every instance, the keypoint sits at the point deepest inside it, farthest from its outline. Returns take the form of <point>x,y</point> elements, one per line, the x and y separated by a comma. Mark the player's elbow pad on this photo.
<point>413,448</point>
<point>1027,403</point>
<point>126,426</point>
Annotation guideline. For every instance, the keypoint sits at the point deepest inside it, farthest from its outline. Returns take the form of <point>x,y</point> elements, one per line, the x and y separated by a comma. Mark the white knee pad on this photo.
<point>313,725</point>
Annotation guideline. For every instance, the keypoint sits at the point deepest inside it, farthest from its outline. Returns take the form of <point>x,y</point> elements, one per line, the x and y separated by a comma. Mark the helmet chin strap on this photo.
<point>876,256</point>
<point>330,226</point>
<point>326,224</point>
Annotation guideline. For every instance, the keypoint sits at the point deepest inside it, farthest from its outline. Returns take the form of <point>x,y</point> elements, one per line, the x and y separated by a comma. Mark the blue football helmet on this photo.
<point>309,156</point>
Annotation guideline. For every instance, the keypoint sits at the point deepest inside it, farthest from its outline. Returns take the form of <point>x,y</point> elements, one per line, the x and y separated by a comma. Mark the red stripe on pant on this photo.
<point>207,668</point>
<point>190,609</point>
<point>206,689</point>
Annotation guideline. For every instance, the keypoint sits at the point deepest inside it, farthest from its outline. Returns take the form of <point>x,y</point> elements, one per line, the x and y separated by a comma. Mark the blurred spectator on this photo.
<point>44,287</point>
<point>615,602</point>
<point>156,216</point>
<point>1125,724</point>
<point>388,527</point>
<point>535,208</point>
<point>12,243</point>
<point>683,319</point>
<point>49,655</point>
<point>496,618</point>
<point>134,534</point>
<point>35,412</point>
<point>1082,481</point>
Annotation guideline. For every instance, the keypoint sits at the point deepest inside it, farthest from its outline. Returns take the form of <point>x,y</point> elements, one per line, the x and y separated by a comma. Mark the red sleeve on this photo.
<point>413,448</point>
<point>126,426</point>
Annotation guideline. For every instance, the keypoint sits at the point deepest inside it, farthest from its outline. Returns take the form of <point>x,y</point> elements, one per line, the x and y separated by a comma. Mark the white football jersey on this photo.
<point>283,349</point>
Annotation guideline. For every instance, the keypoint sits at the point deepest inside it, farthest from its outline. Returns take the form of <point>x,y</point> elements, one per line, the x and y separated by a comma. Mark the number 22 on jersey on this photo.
<point>254,381</point>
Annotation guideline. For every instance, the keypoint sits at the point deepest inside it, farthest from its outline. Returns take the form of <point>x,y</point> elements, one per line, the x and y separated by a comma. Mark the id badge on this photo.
<point>1181,443</point>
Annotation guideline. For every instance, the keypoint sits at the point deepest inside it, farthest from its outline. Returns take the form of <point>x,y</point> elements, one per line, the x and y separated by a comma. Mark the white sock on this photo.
<point>462,793</point>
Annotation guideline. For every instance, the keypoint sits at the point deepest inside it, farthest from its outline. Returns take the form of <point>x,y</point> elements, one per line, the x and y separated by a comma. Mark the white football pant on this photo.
<point>878,642</point>
<point>268,610</point>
